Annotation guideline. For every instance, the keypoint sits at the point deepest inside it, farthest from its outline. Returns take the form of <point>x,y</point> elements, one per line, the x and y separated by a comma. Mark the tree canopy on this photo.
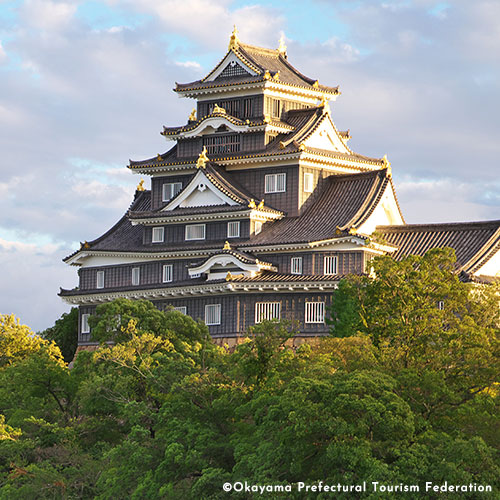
<point>402,392</point>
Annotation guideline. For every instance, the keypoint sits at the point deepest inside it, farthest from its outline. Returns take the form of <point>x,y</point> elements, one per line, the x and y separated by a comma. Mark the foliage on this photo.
<point>64,333</point>
<point>403,393</point>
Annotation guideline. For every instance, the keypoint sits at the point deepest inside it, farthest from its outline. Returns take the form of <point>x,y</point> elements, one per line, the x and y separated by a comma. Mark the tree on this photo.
<point>65,333</point>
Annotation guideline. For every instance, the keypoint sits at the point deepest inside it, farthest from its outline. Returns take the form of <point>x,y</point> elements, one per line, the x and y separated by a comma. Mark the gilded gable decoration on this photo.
<point>140,186</point>
<point>234,41</point>
<point>202,159</point>
<point>218,109</point>
<point>192,116</point>
<point>282,46</point>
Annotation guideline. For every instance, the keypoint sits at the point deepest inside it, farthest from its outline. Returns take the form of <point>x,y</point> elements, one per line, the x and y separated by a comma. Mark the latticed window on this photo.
<point>167,273</point>
<point>330,265</point>
<point>136,275</point>
<point>100,279</point>
<point>275,183</point>
<point>212,314</point>
<point>195,232</point>
<point>170,189</point>
<point>233,69</point>
<point>181,309</point>
<point>296,265</point>
<point>267,310</point>
<point>222,143</point>
<point>233,229</point>
<point>315,312</point>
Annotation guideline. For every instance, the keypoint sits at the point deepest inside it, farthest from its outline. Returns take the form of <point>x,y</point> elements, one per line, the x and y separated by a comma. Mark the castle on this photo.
<point>259,209</point>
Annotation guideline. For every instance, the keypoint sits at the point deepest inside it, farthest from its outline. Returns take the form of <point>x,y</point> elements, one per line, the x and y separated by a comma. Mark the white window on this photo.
<point>233,229</point>
<point>257,227</point>
<point>167,273</point>
<point>267,310</point>
<point>195,232</point>
<point>441,305</point>
<point>100,279</point>
<point>275,183</point>
<point>170,190</point>
<point>296,265</point>
<point>181,309</point>
<point>196,275</point>
<point>85,323</point>
<point>330,265</point>
<point>308,182</point>
<point>315,312</point>
<point>136,275</point>
<point>158,235</point>
<point>212,314</point>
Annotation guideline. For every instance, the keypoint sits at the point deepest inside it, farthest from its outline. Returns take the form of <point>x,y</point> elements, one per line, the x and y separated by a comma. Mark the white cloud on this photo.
<point>3,54</point>
<point>188,64</point>
<point>48,15</point>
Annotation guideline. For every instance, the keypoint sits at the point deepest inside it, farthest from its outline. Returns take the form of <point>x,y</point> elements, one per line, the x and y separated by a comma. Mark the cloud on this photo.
<point>188,64</point>
<point>48,15</point>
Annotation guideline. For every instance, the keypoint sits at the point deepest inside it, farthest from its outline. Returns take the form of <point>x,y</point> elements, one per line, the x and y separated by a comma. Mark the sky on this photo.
<point>87,85</point>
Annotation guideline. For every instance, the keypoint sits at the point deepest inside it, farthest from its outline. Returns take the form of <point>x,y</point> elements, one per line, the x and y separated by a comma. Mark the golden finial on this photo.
<point>325,104</point>
<point>353,230</point>
<point>387,165</point>
<point>202,159</point>
<point>85,244</point>
<point>229,276</point>
<point>140,186</point>
<point>267,118</point>
<point>218,109</point>
<point>158,157</point>
<point>267,75</point>
<point>282,46</point>
<point>261,205</point>
<point>338,231</point>
<point>282,145</point>
<point>252,204</point>
<point>227,246</point>
<point>192,116</point>
<point>302,147</point>
<point>276,76</point>
<point>234,41</point>
<point>316,84</point>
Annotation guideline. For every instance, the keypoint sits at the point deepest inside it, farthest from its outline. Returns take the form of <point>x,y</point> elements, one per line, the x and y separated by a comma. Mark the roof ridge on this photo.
<point>440,225</point>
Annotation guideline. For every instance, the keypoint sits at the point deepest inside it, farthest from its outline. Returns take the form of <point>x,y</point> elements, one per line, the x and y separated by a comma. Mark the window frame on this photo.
<point>84,325</point>
<point>161,229</point>
<point>136,272</point>
<point>333,259</point>
<point>272,186</point>
<point>100,284</point>
<point>300,261</point>
<point>236,224</point>
<point>313,310</point>
<point>163,273</point>
<point>263,308</point>
<point>218,315</point>
<point>195,225</point>
<point>178,309</point>
<point>173,190</point>
<point>257,227</point>
<point>309,183</point>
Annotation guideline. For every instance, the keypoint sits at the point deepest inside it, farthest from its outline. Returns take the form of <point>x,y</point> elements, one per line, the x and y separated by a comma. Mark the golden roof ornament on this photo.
<point>202,159</point>
<point>387,165</point>
<point>282,46</point>
<point>85,244</point>
<point>325,104</point>
<point>302,147</point>
<point>158,157</point>
<point>267,75</point>
<point>338,231</point>
<point>252,204</point>
<point>227,246</point>
<point>192,116</point>
<point>229,276</point>
<point>218,109</point>
<point>234,41</point>
<point>276,75</point>
<point>261,205</point>
<point>353,230</point>
<point>140,186</point>
<point>267,118</point>
<point>316,84</point>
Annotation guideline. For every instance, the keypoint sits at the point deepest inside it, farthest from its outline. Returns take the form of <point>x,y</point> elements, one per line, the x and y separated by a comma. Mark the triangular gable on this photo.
<point>200,192</point>
<point>231,64</point>
<point>325,136</point>
<point>385,213</point>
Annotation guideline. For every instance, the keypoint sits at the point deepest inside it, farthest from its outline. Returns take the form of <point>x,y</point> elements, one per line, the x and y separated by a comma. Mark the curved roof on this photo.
<point>260,60</point>
<point>474,242</point>
<point>345,202</point>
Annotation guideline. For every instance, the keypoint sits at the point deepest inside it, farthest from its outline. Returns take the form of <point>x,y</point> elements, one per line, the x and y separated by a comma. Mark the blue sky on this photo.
<point>86,85</point>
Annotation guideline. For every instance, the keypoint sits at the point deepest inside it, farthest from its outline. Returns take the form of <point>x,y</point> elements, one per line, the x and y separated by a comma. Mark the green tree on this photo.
<point>64,333</point>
